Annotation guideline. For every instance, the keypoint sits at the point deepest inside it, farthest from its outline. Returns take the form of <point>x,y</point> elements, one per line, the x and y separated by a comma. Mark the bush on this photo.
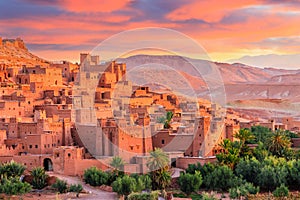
<point>124,185</point>
<point>60,186</point>
<point>77,188</point>
<point>206,196</point>
<point>271,177</point>
<point>281,191</point>
<point>251,188</point>
<point>95,177</point>
<point>222,178</point>
<point>243,191</point>
<point>39,178</point>
<point>12,169</point>
<point>247,168</point>
<point>143,196</point>
<point>13,186</point>
<point>190,182</point>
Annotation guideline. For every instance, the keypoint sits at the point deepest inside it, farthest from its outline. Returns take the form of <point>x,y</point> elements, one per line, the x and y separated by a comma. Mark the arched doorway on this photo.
<point>48,165</point>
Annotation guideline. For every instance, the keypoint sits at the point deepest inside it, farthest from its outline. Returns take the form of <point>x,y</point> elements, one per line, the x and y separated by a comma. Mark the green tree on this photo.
<point>230,154</point>
<point>245,137</point>
<point>278,142</point>
<point>248,169</point>
<point>124,186</point>
<point>60,186</point>
<point>118,164</point>
<point>271,177</point>
<point>222,178</point>
<point>39,178</point>
<point>190,182</point>
<point>260,133</point>
<point>168,120</point>
<point>95,177</point>
<point>158,163</point>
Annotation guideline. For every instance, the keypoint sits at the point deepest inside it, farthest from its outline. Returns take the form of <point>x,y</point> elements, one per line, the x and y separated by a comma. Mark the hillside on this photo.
<point>231,73</point>
<point>13,52</point>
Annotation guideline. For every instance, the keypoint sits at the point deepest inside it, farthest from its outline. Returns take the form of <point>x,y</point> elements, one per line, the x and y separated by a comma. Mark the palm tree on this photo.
<point>169,117</point>
<point>244,135</point>
<point>117,163</point>
<point>158,159</point>
<point>39,178</point>
<point>158,163</point>
<point>278,142</point>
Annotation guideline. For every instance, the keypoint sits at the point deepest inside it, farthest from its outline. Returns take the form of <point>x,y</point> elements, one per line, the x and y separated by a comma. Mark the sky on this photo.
<point>226,29</point>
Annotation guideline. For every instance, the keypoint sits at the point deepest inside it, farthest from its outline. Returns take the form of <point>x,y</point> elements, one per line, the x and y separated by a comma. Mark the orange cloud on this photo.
<point>210,11</point>
<point>93,5</point>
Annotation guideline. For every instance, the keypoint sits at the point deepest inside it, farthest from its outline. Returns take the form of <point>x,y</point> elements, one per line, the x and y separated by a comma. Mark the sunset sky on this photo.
<point>61,29</point>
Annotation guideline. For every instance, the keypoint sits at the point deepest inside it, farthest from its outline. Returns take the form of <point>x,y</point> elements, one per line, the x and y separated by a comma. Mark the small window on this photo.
<point>36,146</point>
<point>69,155</point>
<point>162,141</point>
<point>30,146</point>
<point>131,147</point>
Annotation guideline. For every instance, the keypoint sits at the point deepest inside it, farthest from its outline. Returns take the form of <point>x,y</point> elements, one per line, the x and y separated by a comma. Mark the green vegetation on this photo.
<point>60,186</point>
<point>77,188</point>
<point>95,177</point>
<point>10,181</point>
<point>158,163</point>
<point>281,191</point>
<point>143,196</point>
<point>124,185</point>
<point>39,178</point>
<point>168,120</point>
<point>190,182</point>
<point>117,163</point>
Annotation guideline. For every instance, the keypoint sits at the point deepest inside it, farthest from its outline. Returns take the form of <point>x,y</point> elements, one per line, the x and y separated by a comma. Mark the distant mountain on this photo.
<point>231,73</point>
<point>240,81</point>
<point>291,61</point>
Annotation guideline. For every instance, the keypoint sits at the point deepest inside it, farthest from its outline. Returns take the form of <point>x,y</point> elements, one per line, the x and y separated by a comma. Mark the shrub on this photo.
<point>271,177</point>
<point>206,196</point>
<point>95,177</point>
<point>251,188</point>
<point>60,186</point>
<point>243,191</point>
<point>143,196</point>
<point>190,182</point>
<point>124,185</point>
<point>281,191</point>
<point>77,188</point>
<point>222,178</point>
<point>13,186</point>
<point>12,169</point>
<point>246,169</point>
<point>39,178</point>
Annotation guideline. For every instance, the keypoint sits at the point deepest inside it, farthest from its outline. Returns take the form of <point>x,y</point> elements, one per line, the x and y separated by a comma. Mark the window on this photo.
<point>45,146</point>
<point>30,146</point>
<point>23,147</point>
<point>162,141</point>
<point>131,147</point>
<point>48,145</point>
<point>36,146</point>
<point>69,155</point>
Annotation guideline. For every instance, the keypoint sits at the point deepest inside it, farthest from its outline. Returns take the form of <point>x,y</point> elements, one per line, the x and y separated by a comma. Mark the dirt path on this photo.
<point>95,194</point>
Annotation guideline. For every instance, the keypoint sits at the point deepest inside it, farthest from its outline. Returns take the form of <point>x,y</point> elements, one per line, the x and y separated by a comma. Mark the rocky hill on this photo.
<point>13,52</point>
